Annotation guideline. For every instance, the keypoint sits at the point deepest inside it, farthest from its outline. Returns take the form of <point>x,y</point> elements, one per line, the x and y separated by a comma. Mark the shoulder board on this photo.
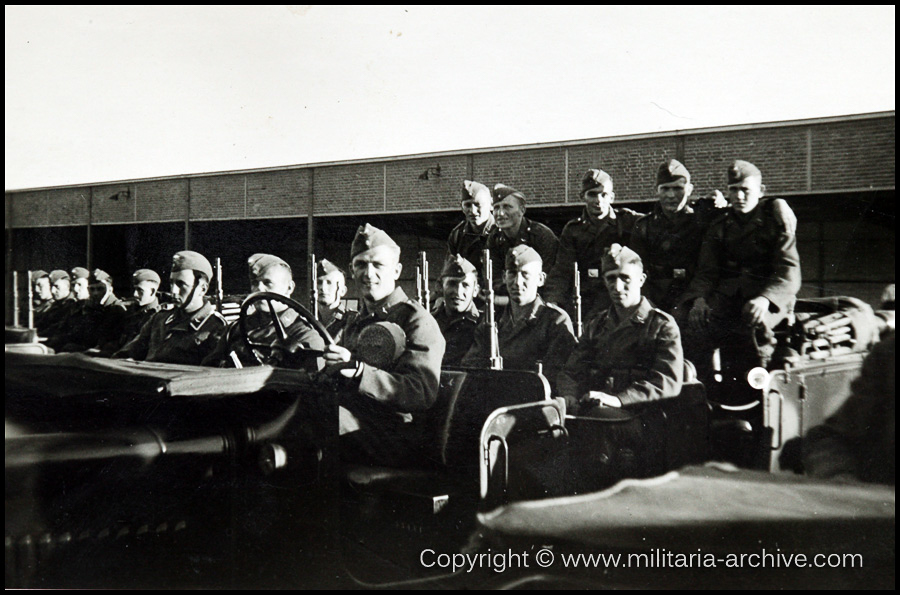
<point>662,313</point>
<point>411,303</point>
<point>556,308</point>
<point>781,211</point>
<point>198,324</point>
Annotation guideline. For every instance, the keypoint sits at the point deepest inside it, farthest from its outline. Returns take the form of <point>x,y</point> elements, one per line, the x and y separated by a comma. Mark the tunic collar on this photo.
<point>381,310</point>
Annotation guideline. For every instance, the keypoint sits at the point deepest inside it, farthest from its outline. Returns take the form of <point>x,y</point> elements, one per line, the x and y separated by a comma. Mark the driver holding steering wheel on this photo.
<point>269,273</point>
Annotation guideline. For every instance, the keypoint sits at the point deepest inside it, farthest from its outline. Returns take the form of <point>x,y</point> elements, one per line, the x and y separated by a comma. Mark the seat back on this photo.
<point>465,400</point>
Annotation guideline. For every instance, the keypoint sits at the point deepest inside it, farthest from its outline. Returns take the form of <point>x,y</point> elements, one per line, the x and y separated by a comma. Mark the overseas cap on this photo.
<point>99,276</point>
<point>618,256</point>
<point>35,275</point>
<point>326,267</point>
<point>520,256</point>
<point>594,178</point>
<point>188,260</point>
<point>671,171</point>
<point>501,191</point>
<point>457,267</point>
<point>741,170</point>
<point>142,275</point>
<point>57,275</point>
<point>260,262</point>
<point>80,273</point>
<point>367,237</point>
<point>474,190</point>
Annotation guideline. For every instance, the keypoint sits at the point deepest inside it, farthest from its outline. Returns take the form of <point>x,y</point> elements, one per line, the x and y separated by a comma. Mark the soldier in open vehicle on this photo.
<point>268,273</point>
<point>630,353</point>
<point>747,279</point>
<point>189,332</point>
<point>381,417</point>
<point>331,287</point>
<point>529,329</point>
<point>456,312</point>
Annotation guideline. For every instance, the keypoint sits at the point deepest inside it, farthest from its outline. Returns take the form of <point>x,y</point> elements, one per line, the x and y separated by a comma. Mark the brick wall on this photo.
<point>830,155</point>
<point>814,158</point>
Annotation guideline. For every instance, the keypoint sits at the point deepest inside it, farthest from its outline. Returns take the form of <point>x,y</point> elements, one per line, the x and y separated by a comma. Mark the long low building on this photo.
<point>837,173</point>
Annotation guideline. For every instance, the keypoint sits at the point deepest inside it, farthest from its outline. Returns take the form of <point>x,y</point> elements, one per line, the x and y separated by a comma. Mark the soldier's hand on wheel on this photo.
<point>699,315</point>
<point>755,309</point>
<point>335,354</point>
<point>339,360</point>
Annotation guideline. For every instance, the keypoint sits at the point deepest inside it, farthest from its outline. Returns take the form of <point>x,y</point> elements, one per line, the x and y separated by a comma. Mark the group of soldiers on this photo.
<point>646,291</point>
<point>643,289</point>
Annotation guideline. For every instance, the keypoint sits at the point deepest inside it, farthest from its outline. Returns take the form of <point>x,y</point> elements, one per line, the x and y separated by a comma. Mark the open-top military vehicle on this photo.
<point>132,474</point>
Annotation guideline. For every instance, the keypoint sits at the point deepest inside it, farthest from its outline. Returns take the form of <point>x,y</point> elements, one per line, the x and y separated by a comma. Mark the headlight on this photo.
<point>758,378</point>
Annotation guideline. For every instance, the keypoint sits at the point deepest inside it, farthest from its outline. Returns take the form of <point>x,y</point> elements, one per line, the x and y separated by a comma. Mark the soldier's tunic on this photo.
<point>745,256</point>
<point>262,330</point>
<point>458,330</point>
<point>390,405</point>
<point>670,250</point>
<point>531,233</point>
<point>544,335</point>
<point>134,319</point>
<point>469,243</point>
<point>54,319</point>
<point>173,337</point>
<point>40,311</point>
<point>336,320</point>
<point>584,240</point>
<point>636,359</point>
<point>96,325</point>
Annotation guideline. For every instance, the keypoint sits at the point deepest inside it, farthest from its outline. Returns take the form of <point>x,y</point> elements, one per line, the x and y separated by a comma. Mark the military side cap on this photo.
<point>260,262</point>
<point>741,170</point>
<point>501,191</point>
<point>35,275</point>
<point>474,190</point>
<point>618,256</point>
<point>57,275</point>
<point>520,256</point>
<point>594,178</point>
<point>326,267</point>
<point>367,237</point>
<point>188,260</point>
<point>100,276</point>
<point>671,171</point>
<point>457,266</point>
<point>80,273</point>
<point>141,275</point>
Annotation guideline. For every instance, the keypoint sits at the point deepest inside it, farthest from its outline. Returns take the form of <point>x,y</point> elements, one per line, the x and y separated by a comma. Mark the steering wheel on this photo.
<point>275,352</point>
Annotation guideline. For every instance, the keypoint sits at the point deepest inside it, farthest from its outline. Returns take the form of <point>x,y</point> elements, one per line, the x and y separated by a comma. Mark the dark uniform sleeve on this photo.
<point>219,356</point>
<point>627,219</point>
<point>477,356</point>
<point>138,347</point>
<point>707,265</point>
<point>559,283</point>
<point>639,239</point>
<point>412,382</point>
<point>858,440</point>
<point>665,376</point>
<point>785,281</point>
<point>547,245</point>
<point>570,384</point>
<point>561,342</point>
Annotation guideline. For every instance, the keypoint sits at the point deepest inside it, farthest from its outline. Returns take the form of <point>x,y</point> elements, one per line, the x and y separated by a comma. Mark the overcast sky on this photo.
<point>108,93</point>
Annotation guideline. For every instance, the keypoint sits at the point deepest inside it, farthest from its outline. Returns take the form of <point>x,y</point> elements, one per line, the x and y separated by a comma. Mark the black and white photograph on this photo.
<point>450,297</point>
